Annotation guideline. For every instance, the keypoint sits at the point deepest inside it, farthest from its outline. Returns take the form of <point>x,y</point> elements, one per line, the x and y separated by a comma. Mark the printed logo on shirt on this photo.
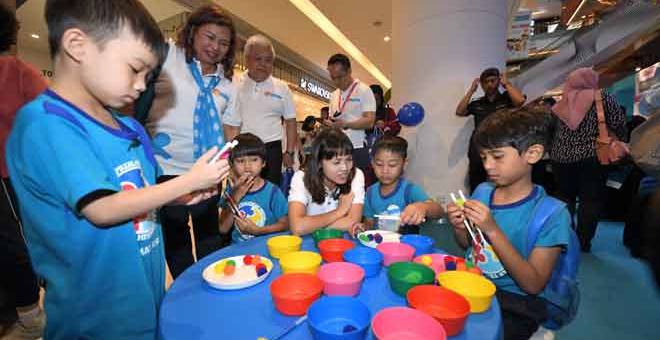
<point>131,178</point>
<point>487,261</point>
<point>253,212</point>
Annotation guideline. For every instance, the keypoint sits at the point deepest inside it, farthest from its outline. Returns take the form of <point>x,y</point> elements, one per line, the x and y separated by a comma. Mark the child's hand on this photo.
<point>246,226</point>
<point>480,215</point>
<point>357,228</point>
<point>345,203</point>
<point>242,186</point>
<point>413,214</point>
<point>204,175</point>
<point>197,196</point>
<point>456,216</point>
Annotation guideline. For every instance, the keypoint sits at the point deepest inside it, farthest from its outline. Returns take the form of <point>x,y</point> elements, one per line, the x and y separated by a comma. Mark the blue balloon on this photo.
<point>411,114</point>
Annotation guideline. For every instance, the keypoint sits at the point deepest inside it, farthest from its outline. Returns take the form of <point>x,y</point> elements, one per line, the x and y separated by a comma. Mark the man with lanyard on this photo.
<point>493,100</point>
<point>352,107</point>
<point>262,102</point>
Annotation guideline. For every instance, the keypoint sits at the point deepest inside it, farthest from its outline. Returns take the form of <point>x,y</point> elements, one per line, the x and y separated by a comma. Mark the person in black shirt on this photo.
<point>493,100</point>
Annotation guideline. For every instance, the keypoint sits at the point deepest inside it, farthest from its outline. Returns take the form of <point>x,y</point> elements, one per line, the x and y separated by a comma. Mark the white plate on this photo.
<point>388,236</point>
<point>244,276</point>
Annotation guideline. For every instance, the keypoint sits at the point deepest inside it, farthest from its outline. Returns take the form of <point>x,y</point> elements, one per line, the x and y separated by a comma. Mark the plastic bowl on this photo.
<point>325,234</point>
<point>283,244</point>
<point>338,317</point>
<point>341,278</point>
<point>389,223</point>
<point>448,307</point>
<point>396,323</point>
<point>332,250</point>
<point>395,252</point>
<point>300,262</point>
<point>478,290</point>
<point>422,244</point>
<point>405,275</point>
<point>368,258</point>
<point>294,293</point>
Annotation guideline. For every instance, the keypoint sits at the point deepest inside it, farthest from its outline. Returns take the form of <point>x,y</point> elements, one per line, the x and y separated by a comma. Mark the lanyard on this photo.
<point>342,105</point>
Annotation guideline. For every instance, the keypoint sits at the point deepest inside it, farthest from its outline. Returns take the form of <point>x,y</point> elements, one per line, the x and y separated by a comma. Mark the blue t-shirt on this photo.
<point>264,206</point>
<point>101,282</point>
<point>393,204</point>
<point>513,220</point>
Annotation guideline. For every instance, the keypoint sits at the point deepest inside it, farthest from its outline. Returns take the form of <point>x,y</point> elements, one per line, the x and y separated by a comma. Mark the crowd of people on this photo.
<point>107,201</point>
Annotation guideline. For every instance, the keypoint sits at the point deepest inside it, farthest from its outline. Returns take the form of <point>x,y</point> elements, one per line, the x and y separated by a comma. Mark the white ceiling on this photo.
<point>283,22</point>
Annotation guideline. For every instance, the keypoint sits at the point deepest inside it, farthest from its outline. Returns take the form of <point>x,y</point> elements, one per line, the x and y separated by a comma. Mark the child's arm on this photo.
<point>248,227</point>
<point>226,220</point>
<point>125,205</point>
<point>301,223</point>
<point>346,222</point>
<point>456,218</point>
<point>240,187</point>
<point>532,274</point>
<point>416,213</point>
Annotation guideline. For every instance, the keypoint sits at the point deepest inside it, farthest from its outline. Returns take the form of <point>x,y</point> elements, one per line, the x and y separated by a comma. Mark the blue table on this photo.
<point>193,310</point>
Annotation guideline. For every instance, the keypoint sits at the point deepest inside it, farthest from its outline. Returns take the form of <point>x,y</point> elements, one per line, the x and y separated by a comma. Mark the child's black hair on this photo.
<point>394,144</point>
<point>329,143</point>
<point>103,20</point>
<point>518,128</point>
<point>8,28</point>
<point>248,145</point>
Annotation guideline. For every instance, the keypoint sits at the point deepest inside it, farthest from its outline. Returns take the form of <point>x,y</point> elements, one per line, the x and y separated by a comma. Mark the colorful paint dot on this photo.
<point>229,270</point>
<point>247,259</point>
<point>378,238</point>
<point>219,268</point>
<point>427,260</point>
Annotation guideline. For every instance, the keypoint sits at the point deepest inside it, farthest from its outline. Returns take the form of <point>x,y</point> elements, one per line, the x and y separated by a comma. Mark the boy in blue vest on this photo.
<point>510,143</point>
<point>86,175</point>
<point>394,195</point>
<point>262,205</point>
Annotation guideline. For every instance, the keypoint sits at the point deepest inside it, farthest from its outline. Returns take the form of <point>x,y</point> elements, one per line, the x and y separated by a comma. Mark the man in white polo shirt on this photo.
<point>352,107</point>
<point>261,104</point>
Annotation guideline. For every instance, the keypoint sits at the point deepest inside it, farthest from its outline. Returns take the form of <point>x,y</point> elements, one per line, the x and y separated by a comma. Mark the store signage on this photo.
<point>314,88</point>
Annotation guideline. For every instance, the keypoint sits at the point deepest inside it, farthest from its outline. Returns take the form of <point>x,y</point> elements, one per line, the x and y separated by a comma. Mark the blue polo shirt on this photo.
<point>101,282</point>
<point>394,203</point>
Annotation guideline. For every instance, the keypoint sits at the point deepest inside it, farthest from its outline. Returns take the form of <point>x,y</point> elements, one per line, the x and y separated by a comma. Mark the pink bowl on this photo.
<point>397,323</point>
<point>437,261</point>
<point>395,252</point>
<point>341,278</point>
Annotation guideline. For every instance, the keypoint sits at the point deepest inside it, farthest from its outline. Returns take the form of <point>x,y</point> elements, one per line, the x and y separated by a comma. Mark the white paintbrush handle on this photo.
<point>228,146</point>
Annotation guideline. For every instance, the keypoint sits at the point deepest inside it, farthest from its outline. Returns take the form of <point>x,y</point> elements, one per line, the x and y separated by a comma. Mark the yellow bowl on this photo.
<point>284,244</point>
<point>478,290</point>
<point>300,262</point>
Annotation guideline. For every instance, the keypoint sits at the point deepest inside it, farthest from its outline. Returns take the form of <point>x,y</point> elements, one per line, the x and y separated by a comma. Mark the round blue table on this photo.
<point>193,310</point>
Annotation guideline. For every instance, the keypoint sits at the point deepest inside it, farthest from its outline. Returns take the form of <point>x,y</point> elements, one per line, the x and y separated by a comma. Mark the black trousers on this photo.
<point>19,285</point>
<point>176,231</point>
<point>521,314</point>
<point>584,180</point>
<point>273,169</point>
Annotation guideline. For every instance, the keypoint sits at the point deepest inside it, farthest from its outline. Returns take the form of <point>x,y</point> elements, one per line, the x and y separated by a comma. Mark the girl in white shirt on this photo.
<point>330,191</point>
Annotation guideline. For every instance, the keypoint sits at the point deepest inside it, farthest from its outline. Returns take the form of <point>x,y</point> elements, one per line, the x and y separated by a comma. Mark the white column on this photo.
<point>438,48</point>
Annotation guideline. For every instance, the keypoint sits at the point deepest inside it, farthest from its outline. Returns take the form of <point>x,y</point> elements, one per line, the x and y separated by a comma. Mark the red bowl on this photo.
<point>448,307</point>
<point>332,250</point>
<point>294,293</point>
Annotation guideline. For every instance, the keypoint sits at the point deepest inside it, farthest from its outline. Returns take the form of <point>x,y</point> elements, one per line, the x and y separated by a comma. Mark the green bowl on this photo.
<point>326,233</point>
<point>405,275</point>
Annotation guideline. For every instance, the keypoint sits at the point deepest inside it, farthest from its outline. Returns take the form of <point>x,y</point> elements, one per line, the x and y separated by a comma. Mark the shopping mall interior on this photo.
<point>431,52</point>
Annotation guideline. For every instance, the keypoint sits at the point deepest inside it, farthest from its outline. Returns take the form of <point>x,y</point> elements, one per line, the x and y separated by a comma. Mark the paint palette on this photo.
<point>372,238</point>
<point>237,272</point>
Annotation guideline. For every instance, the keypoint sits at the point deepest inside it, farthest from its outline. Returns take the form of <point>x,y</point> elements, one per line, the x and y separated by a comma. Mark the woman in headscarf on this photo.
<point>574,162</point>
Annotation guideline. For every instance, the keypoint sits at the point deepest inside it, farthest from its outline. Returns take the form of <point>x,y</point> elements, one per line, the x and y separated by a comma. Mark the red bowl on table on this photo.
<point>294,293</point>
<point>448,307</point>
<point>332,250</point>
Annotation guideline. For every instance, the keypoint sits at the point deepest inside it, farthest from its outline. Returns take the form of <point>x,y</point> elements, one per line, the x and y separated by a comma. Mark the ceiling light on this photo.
<point>568,23</point>
<point>320,20</point>
<point>35,36</point>
<point>387,38</point>
<point>538,12</point>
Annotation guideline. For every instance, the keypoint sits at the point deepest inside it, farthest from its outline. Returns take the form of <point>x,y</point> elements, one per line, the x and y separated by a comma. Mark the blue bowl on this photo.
<point>338,318</point>
<point>422,244</point>
<point>369,259</point>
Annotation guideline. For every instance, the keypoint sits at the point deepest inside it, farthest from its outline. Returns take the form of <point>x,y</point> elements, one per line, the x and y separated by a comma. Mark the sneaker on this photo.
<point>28,328</point>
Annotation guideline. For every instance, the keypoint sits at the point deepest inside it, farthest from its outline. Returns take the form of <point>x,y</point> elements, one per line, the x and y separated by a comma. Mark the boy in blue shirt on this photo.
<point>510,143</point>
<point>394,195</point>
<point>86,176</point>
<point>262,205</point>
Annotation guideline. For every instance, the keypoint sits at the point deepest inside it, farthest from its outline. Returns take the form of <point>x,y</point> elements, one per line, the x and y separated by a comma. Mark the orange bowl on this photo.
<point>294,293</point>
<point>448,307</point>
